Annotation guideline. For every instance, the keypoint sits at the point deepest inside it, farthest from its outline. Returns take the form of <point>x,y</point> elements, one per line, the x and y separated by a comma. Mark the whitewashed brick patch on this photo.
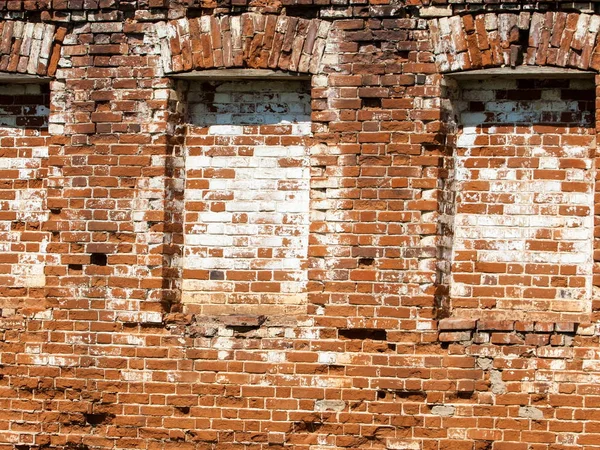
<point>247,193</point>
<point>23,132</point>
<point>524,196</point>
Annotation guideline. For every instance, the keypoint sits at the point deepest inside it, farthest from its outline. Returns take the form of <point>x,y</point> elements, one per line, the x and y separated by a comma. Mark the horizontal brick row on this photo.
<point>250,40</point>
<point>452,324</point>
<point>77,6</point>
<point>441,7</point>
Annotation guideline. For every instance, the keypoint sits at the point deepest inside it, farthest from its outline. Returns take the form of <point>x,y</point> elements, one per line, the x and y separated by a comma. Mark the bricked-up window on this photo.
<point>24,110</point>
<point>524,193</point>
<point>246,194</point>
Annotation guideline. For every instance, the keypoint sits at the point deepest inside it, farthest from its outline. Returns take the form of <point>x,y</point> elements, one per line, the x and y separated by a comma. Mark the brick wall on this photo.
<point>257,264</point>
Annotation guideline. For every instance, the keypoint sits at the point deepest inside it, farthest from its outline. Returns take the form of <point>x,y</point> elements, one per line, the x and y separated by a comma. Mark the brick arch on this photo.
<point>480,41</point>
<point>30,48</point>
<point>249,40</point>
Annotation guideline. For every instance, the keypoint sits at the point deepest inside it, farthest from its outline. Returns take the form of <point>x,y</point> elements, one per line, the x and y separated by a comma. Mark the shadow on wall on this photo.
<point>251,102</point>
<point>24,106</point>
<point>527,102</point>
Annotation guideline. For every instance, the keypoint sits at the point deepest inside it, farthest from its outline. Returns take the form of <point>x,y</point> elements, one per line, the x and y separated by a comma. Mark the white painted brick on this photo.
<point>267,163</point>
<point>215,217</point>
<point>241,206</point>
<point>271,151</point>
<point>197,162</point>
<point>301,129</point>
<point>232,130</point>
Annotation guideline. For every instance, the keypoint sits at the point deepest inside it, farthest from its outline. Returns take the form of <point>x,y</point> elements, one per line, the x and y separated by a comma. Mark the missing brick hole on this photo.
<point>363,333</point>
<point>193,13</point>
<point>183,409</point>
<point>417,396</point>
<point>372,102</point>
<point>462,395</point>
<point>365,262</point>
<point>381,395</point>
<point>34,16</point>
<point>208,87</point>
<point>302,12</point>
<point>98,259</point>
<point>75,267</point>
<point>311,427</point>
<point>369,46</point>
<point>72,446</point>
<point>465,395</point>
<point>403,54</point>
<point>483,445</point>
<point>98,418</point>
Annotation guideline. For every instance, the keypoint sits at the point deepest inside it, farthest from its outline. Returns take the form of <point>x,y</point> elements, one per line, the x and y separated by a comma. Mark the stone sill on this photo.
<point>520,72</point>
<point>239,74</point>
<point>588,7</point>
<point>20,78</point>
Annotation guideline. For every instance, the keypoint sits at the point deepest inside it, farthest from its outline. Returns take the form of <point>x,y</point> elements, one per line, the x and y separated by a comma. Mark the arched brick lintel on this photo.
<point>31,49</point>
<point>480,41</point>
<point>249,40</point>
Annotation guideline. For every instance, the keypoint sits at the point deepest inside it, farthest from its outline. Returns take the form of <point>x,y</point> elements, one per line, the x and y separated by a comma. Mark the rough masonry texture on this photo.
<point>313,225</point>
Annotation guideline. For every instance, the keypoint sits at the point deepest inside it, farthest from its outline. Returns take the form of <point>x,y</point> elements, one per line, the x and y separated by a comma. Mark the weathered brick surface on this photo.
<point>203,265</point>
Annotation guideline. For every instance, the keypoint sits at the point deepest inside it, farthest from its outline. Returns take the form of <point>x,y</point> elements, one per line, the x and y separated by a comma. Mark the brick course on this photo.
<point>156,294</point>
